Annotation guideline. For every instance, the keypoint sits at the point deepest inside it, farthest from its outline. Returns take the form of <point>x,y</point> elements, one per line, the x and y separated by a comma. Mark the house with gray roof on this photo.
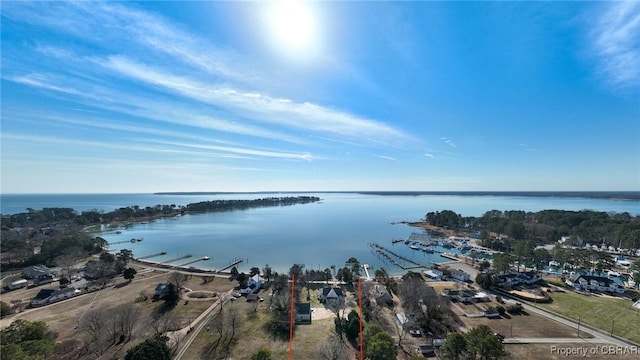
<point>330,293</point>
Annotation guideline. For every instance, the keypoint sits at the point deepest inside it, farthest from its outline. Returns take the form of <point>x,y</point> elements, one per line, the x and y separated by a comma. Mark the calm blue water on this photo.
<point>318,235</point>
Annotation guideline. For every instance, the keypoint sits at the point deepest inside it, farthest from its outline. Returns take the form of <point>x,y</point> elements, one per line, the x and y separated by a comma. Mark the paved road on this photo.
<point>554,341</point>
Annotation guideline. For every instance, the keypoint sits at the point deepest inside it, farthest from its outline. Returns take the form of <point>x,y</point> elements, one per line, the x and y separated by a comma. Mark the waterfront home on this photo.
<point>253,285</point>
<point>49,296</point>
<point>330,293</point>
<point>434,274</point>
<point>460,275</point>
<point>594,283</point>
<point>303,313</point>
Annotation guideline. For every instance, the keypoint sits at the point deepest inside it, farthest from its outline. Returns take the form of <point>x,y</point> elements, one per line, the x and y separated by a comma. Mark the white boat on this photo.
<point>622,261</point>
<point>613,273</point>
<point>554,263</point>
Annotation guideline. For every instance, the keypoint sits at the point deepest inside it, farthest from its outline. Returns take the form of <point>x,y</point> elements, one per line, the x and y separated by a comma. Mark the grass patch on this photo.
<point>599,312</point>
<point>253,336</point>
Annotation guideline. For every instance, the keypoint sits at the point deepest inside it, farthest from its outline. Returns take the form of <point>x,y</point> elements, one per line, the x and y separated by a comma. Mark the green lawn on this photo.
<point>599,312</point>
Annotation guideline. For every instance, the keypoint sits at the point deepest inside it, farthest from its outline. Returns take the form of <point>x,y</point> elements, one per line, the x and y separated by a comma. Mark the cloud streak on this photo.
<point>615,41</point>
<point>385,157</point>
<point>261,107</point>
<point>448,141</point>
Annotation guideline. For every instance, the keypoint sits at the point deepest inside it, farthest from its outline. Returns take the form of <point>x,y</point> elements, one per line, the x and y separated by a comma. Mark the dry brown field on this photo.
<point>63,317</point>
<point>523,326</point>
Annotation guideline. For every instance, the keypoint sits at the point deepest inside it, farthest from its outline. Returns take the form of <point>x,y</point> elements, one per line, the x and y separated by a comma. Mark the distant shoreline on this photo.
<point>614,195</point>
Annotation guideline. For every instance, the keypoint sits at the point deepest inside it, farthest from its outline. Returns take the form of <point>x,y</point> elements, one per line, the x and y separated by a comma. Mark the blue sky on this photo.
<point>221,96</point>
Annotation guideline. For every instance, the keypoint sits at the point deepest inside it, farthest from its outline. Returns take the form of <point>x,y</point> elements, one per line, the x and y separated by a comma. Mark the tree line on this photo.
<point>547,226</point>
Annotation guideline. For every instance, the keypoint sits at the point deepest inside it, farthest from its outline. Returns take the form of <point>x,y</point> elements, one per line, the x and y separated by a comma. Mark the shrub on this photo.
<point>515,309</point>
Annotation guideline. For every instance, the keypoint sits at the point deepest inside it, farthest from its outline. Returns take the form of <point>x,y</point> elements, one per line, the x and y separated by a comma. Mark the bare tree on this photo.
<point>166,322</point>
<point>178,279</point>
<point>225,327</point>
<point>333,349</point>
<point>93,322</point>
<point>338,308</point>
<point>68,260</point>
<point>111,327</point>
<point>18,305</point>
<point>127,316</point>
<point>423,305</point>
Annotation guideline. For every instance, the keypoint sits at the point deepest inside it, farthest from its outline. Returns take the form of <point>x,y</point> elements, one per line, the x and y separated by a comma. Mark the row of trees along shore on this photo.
<point>545,227</point>
<point>57,231</point>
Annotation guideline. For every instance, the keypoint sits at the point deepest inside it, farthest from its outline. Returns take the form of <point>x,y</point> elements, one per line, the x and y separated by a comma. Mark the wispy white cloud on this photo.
<point>429,155</point>
<point>150,108</point>
<point>261,107</point>
<point>159,147</point>
<point>41,81</point>
<point>385,157</point>
<point>448,141</point>
<point>615,41</point>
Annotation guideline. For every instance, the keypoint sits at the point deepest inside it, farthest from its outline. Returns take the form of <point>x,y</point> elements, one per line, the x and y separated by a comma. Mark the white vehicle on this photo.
<point>18,284</point>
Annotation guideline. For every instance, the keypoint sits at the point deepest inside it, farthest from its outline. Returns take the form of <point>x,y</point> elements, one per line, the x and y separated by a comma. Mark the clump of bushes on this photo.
<point>515,309</point>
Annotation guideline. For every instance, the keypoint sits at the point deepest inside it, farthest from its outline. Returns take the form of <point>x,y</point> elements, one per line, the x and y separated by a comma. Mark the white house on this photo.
<point>330,293</point>
<point>596,283</point>
<point>253,285</point>
<point>460,275</point>
<point>48,296</point>
<point>434,274</point>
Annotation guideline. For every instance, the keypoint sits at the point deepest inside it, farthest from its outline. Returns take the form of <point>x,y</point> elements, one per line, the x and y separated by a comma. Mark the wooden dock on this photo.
<point>233,263</point>
<point>204,258</point>
<point>133,241</point>
<point>176,259</point>
<point>393,258</point>
<point>152,255</point>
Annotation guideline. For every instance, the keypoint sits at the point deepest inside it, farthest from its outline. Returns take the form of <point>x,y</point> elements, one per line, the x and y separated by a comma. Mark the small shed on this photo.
<point>303,313</point>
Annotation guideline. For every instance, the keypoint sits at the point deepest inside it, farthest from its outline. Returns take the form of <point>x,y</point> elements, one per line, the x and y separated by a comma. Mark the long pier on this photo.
<point>152,255</point>
<point>195,261</point>
<point>233,263</point>
<point>176,259</point>
<point>124,241</point>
